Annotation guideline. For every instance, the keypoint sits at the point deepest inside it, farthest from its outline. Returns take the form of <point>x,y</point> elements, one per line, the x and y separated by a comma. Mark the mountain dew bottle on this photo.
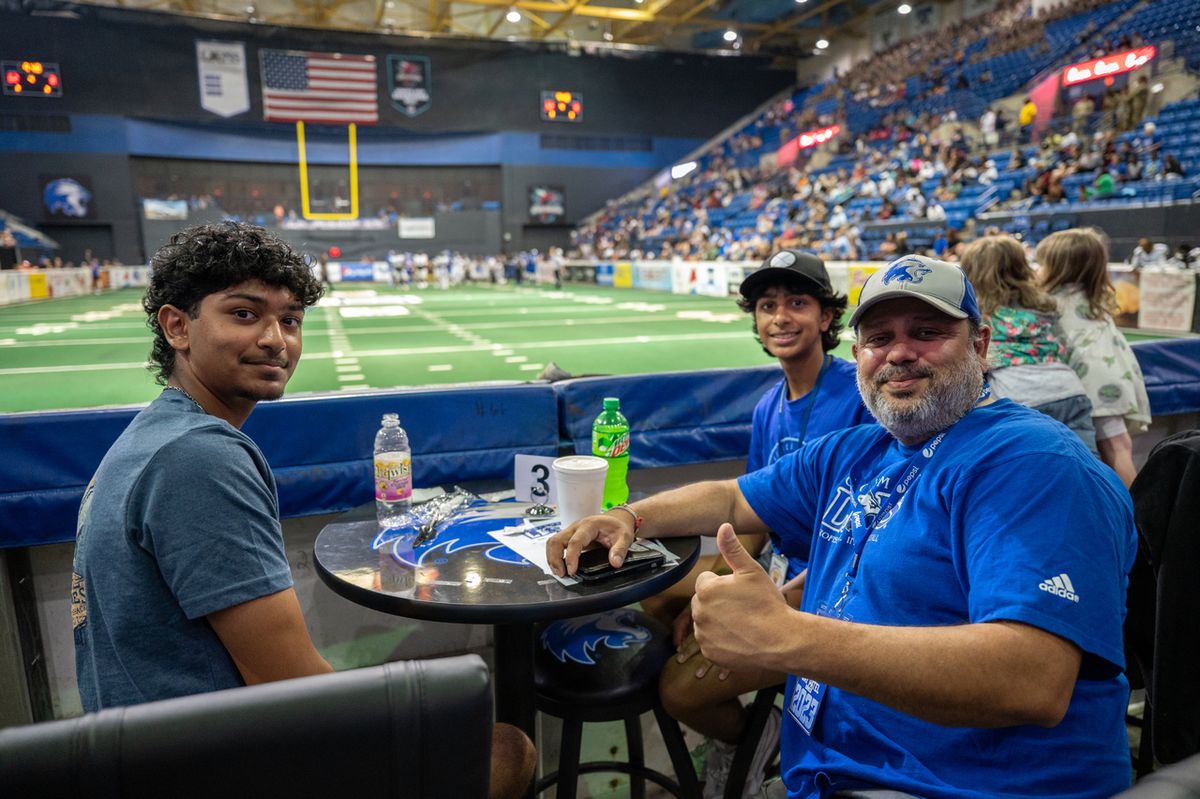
<point>610,440</point>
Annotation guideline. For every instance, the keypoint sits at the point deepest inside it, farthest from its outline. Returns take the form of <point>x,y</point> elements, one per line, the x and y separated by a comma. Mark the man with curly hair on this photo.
<point>181,582</point>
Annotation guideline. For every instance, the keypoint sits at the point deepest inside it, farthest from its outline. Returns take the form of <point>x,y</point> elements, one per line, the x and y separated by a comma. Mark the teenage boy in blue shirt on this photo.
<point>797,318</point>
<point>960,629</point>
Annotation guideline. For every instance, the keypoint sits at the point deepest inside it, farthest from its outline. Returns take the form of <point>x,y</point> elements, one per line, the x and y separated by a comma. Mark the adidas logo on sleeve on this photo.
<point>1060,586</point>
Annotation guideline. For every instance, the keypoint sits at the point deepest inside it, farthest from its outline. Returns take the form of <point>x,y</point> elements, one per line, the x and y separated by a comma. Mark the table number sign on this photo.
<point>533,479</point>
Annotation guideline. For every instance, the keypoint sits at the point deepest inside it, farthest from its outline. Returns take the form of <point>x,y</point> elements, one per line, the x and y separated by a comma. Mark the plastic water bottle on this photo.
<point>610,440</point>
<point>393,472</point>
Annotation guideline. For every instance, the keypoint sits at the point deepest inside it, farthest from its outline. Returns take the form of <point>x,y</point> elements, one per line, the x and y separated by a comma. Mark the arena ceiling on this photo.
<point>781,27</point>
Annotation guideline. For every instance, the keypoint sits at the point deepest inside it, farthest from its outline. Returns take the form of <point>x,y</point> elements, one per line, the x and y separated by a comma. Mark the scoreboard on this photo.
<point>562,106</point>
<point>31,79</point>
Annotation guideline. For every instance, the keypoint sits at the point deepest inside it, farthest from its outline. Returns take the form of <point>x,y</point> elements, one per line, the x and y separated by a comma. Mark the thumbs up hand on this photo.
<point>738,617</point>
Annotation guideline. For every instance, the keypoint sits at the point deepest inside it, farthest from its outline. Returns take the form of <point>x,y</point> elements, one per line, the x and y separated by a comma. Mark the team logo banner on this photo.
<point>547,205</point>
<point>410,83</point>
<point>221,68</point>
<point>67,197</point>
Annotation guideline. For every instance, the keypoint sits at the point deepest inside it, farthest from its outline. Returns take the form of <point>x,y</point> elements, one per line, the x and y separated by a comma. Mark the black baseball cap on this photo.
<point>789,265</point>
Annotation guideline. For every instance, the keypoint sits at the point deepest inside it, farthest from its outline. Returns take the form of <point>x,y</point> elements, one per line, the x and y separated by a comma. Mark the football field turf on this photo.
<point>85,352</point>
<point>90,351</point>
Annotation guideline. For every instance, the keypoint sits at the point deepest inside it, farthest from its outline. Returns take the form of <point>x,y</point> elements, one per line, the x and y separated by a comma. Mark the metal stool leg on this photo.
<point>633,742</point>
<point>760,710</point>
<point>568,759</point>
<point>681,761</point>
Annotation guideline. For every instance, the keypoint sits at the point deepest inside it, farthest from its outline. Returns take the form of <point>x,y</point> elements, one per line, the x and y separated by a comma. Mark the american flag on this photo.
<point>329,88</point>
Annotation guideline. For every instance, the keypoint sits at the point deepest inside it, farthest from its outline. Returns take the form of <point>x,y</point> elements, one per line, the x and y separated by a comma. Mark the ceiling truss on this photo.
<point>665,24</point>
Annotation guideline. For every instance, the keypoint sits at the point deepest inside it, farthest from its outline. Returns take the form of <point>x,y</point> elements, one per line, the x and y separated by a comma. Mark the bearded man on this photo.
<point>960,629</point>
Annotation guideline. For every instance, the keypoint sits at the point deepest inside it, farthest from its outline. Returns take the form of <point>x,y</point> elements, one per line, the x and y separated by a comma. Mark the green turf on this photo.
<point>90,351</point>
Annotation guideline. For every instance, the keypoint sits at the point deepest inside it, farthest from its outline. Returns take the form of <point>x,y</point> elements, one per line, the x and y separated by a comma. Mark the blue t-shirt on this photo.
<point>781,425</point>
<point>180,520</point>
<point>1011,518</point>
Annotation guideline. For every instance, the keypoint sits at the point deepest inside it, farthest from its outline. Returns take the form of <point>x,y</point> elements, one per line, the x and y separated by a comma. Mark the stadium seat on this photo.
<point>1162,630</point>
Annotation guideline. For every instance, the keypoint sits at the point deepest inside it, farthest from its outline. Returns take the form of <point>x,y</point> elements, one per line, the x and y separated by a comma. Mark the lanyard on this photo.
<point>812,397</point>
<point>907,472</point>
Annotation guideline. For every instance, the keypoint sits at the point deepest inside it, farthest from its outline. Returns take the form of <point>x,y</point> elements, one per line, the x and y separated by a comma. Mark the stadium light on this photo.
<point>904,8</point>
<point>731,36</point>
<point>822,44</point>
<point>801,2</point>
<point>513,16</point>
<point>680,170</point>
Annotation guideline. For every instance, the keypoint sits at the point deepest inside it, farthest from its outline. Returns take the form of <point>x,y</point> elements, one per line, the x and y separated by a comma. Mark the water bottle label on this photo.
<point>610,445</point>
<point>393,476</point>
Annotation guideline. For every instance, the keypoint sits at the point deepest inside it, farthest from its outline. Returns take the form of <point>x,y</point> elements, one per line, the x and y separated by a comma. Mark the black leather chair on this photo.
<point>420,728</point>
<point>1178,781</point>
<point>1162,629</point>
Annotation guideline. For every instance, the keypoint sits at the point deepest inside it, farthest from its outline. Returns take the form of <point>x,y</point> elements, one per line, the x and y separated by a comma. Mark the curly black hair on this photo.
<point>207,258</point>
<point>838,302</point>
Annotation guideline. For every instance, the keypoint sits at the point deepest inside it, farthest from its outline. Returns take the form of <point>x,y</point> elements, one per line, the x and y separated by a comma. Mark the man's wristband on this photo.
<point>637,520</point>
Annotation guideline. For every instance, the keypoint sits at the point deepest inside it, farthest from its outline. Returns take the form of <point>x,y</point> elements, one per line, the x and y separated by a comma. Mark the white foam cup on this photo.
<point>579,486</point>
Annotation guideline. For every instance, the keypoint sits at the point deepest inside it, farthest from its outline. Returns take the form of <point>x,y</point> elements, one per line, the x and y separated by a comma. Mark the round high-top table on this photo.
<point>466,576</point>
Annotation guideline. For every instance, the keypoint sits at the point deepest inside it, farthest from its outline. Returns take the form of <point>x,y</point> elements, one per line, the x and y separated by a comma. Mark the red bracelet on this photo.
<point>637,520</point>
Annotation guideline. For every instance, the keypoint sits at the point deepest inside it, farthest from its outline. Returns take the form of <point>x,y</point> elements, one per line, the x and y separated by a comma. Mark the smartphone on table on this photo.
<point>594,565</point>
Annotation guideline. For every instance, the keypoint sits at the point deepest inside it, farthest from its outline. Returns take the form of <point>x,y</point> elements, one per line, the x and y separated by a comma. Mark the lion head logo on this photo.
<point>578,639</point>
<point>67,197</point>
<point>906,272</point>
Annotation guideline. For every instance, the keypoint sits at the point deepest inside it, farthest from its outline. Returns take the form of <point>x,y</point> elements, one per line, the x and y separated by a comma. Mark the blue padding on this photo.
<point>319,449</point>
<point>1171,368</point>
<point>674,418</point>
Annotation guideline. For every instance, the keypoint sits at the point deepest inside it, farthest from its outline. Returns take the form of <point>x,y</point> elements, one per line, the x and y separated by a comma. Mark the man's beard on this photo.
<point>950,394</point>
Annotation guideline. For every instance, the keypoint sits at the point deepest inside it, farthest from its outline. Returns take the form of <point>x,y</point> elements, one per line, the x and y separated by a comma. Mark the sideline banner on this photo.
<point>38,289</point>
<point>14,287</point>
<point>655,275</point>
<point>623,275</point>
<point>604,274</point>
<point>68,282</point>
<point>856,276</point>
<point>1168,300</point>
<point>122,277</point>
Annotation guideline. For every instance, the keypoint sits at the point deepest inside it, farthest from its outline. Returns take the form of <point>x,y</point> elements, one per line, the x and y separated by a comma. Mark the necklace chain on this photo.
<point>184,393</point>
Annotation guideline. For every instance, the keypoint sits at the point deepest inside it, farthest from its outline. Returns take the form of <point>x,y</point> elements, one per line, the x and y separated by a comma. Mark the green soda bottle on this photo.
<point>610,440</point>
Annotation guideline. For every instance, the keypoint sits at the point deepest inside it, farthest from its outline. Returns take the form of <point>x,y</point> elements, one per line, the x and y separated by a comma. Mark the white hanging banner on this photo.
<point>221,67</point>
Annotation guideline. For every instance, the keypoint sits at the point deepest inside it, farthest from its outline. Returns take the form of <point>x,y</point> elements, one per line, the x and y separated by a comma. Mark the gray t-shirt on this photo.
<point>180,520</point>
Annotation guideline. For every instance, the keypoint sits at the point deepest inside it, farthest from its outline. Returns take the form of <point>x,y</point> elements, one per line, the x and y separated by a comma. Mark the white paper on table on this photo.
<point>528,539</point>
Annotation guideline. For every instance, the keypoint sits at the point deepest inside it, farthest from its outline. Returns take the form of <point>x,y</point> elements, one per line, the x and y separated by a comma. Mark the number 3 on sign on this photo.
<point>533,480</point>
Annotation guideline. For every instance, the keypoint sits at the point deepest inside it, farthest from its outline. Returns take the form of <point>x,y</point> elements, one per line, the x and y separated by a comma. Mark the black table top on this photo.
<point>466,576</point>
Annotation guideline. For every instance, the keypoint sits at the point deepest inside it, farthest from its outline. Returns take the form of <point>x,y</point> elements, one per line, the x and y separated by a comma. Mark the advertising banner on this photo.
<point>358,272</point>
<point>856,276</point>
<point>417,227</point>
<point>604,274</point>
<point>1129,296</point>
<point>121,277</point>
<point>652,275</point>
<point>699,278</point>
<point>14,287</point>
<point>38,288</point>
<point>623,275</point>
<point>68,282</point>
<point>1168,301</point>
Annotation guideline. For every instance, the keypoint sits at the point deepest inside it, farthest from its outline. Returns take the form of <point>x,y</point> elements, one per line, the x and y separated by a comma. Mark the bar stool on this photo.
<point>605,667</point>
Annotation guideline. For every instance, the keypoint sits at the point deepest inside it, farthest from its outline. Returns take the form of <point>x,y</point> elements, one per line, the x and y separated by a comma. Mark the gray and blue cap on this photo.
<point>943,285</point>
